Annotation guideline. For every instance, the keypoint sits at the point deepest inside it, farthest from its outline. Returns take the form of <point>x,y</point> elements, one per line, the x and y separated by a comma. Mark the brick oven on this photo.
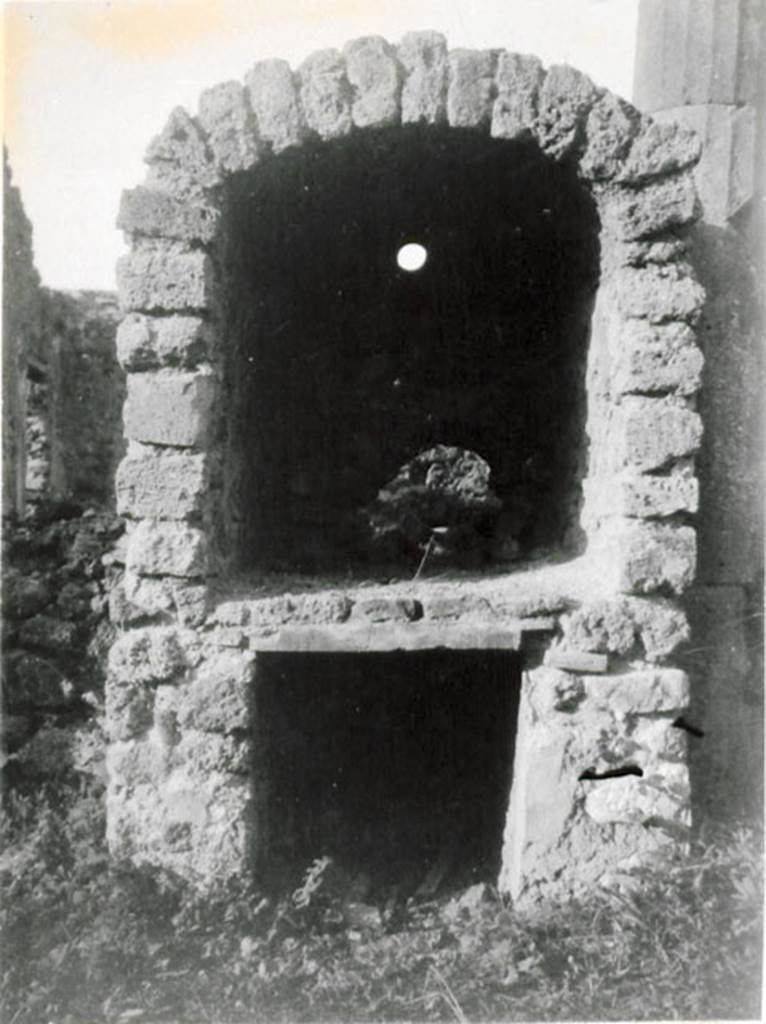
<point>282,687</point>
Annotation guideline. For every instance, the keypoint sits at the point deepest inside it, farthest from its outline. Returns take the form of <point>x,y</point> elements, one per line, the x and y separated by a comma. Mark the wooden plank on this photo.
<point>388,636</point>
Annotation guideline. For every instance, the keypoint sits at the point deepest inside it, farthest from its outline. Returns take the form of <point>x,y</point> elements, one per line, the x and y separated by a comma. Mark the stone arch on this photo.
<point>643,366</point>
<point>186,689</point>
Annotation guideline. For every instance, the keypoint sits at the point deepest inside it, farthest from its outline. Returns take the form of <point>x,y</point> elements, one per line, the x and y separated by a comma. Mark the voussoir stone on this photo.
<point>518,79</point>
<point>274,98</point>
<point>169,281</point>
<point>326,94</point>
<point>172,409</point>
<point>162,485</point>
<point>218,699</point>
<point>651,432</point>
<point>471,88</point>
<point>375,76</point>
<point>228,122</point>
<point>157,548</point>
<point>179,160</point>
<point>658,294</point>
<point>633,213</point>
<point>147,211</point>
<point>654,359</point>
<point>144,343</point>
<point>423,55</point>
<point>609,130</point>
<point>566,97</point>
<point>660,148</point>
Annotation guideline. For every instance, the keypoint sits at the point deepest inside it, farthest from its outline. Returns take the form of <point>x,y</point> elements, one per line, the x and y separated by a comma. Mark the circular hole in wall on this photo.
<point>412,257</point>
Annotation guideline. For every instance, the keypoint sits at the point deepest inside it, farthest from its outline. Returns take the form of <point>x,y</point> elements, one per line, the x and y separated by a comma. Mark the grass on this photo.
<point>85,940</point>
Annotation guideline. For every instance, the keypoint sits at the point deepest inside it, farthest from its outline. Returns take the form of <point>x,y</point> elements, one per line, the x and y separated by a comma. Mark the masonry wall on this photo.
<point>701,65</point>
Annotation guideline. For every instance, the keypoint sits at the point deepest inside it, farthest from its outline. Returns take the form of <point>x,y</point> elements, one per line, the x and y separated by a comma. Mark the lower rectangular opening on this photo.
<point>396,765</point>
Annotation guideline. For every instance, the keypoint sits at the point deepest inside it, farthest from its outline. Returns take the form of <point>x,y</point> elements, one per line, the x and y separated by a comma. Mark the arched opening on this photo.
<point>343,365</point>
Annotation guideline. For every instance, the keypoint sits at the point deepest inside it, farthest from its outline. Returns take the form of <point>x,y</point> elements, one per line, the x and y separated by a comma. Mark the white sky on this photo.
<point>88,84</point>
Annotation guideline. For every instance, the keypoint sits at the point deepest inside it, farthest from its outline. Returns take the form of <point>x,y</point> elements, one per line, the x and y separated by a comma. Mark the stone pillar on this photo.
<point>699,62</point>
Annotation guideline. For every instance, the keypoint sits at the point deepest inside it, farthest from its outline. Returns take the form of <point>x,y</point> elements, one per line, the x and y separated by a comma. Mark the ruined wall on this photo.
<point>702,65</point>
<point>86,407</point>
<point>21,337</point>
<point>62,436</point>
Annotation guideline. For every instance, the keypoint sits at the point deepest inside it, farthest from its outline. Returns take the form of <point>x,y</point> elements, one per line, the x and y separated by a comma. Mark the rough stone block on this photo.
<point>644,692</point>
<point>660,149</point>
<point>155,654</point>
<point>632,800</point>
<point>609,131</point>
<point>634,213</point>
<point>662,626</point>
<point>31,682</point>
<point>423,55</point>
<point>652,432</point>
<point>375,75</point>
<point>145,211</point>
<point>471,89</point>
<point>326,94</point>
<point>167,549</point>
<point>726,173</point>
<point>48,634</point>
<point>643,496</point>
<point>208,754</point>
<point>145,343</point>
<point>178,158</point>
<point>172,409</point>
<point>652,359</point>
<point>162,485</point>
<point>128,708</point>
<point>566,98</point>
<point>605,626</point>
<point>228,122</point>
<point>157,280</point>
<point>663,248</point>
<point>219,698</point>
<point>641,557</point>
<point>658,294</point>
<point>518,80</point>
<point>274,99</point>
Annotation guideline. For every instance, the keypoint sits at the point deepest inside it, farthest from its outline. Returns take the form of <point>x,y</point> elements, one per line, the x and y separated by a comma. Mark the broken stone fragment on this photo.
<point>441,499</point>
